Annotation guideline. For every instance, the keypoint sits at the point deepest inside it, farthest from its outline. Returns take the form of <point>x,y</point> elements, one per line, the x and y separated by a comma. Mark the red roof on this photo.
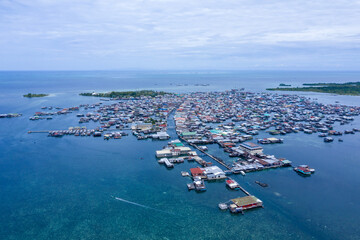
<point>196,171</point>
<point>229,144</point>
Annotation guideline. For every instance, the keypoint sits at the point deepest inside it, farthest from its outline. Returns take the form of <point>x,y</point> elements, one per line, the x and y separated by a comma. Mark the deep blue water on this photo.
<point>64,188</point>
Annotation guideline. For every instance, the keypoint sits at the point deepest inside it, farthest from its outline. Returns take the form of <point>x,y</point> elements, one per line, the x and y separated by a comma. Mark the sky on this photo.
<point>179,34</point>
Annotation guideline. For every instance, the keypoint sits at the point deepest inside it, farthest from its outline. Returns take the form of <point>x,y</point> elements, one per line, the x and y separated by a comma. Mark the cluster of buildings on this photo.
<point>177,152</point>
<point>147,117</point>
<point>208,173</point>
<point>244,114</point>
<point>59,111</point>
<point>230,119</point>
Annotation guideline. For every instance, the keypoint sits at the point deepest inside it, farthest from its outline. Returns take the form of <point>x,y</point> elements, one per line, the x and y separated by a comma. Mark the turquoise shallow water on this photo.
<point>64,188</point>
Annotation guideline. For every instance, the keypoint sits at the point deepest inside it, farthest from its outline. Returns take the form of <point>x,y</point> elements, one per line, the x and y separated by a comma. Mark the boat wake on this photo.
<point>140,205</point>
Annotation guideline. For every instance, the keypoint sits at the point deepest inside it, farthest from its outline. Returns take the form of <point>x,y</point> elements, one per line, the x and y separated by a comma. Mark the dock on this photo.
<point>167,163</point>
<point>43,131</point>
<point>206,153</point>
<point>213,157</point>
<point>242,189</point>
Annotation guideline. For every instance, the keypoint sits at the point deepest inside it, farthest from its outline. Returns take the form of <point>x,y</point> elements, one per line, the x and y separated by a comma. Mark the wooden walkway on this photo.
<point>207,154</point>
<point>246,192</point>
<point>44,131</point>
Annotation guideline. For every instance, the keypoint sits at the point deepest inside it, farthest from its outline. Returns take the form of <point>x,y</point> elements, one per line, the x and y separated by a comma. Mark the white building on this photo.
<point>173,152</point>
<point>161,135</point>
<point>251,148</point>
<point>214,172</point>
<point>164,153</point>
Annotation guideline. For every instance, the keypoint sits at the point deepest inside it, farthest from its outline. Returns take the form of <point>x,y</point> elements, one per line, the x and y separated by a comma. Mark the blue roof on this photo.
<point>250,145</point>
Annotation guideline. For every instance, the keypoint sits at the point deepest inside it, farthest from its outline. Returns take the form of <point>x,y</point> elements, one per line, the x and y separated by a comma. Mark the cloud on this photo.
<point>173,31</point>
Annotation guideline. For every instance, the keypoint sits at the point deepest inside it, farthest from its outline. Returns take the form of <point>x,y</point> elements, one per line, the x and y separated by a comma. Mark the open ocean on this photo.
<point>65,188</point>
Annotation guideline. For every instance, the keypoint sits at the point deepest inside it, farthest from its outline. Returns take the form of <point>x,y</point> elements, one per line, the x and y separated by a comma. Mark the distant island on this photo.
<point>349,88</point>
<point>319,84</point>
<point>126,94</point>
<point>284,85</point>
<point>31,95</point>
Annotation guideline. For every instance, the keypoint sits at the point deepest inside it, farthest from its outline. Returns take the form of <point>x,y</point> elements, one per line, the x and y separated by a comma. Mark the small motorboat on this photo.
<point>261,184</point>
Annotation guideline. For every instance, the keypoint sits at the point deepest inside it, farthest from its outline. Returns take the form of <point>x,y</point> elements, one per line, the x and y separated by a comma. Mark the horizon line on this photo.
<point>181,70</point>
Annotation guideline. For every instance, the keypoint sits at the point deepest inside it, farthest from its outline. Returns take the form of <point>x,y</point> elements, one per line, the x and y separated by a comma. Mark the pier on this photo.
<point>207,154</point>
<point>216,159</point>
<point>242,189</point>
<point>167,163</point>
<point>43,131</point>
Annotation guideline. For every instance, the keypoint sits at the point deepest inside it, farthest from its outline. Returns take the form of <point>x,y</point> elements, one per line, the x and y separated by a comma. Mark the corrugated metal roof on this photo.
<point>245,200</point>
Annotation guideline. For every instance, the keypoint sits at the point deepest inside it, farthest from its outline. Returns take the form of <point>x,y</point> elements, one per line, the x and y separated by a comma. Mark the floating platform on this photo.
<point>166,162</point>
<point>238,205</point>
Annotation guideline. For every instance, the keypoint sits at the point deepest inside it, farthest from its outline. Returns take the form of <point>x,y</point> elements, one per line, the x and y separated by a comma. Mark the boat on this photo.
<point>203,148</point>
<point>232,184</point>
<point>185,174</point>
<point>223,206</point>
<point>261,184</point>
<point>328,139</point>
<point>117,136</point>
<point>304,170</point>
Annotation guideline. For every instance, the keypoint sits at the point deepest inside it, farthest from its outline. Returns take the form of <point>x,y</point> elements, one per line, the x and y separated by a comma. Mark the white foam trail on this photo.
<point>133,203</point>
<point>140,205</point>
